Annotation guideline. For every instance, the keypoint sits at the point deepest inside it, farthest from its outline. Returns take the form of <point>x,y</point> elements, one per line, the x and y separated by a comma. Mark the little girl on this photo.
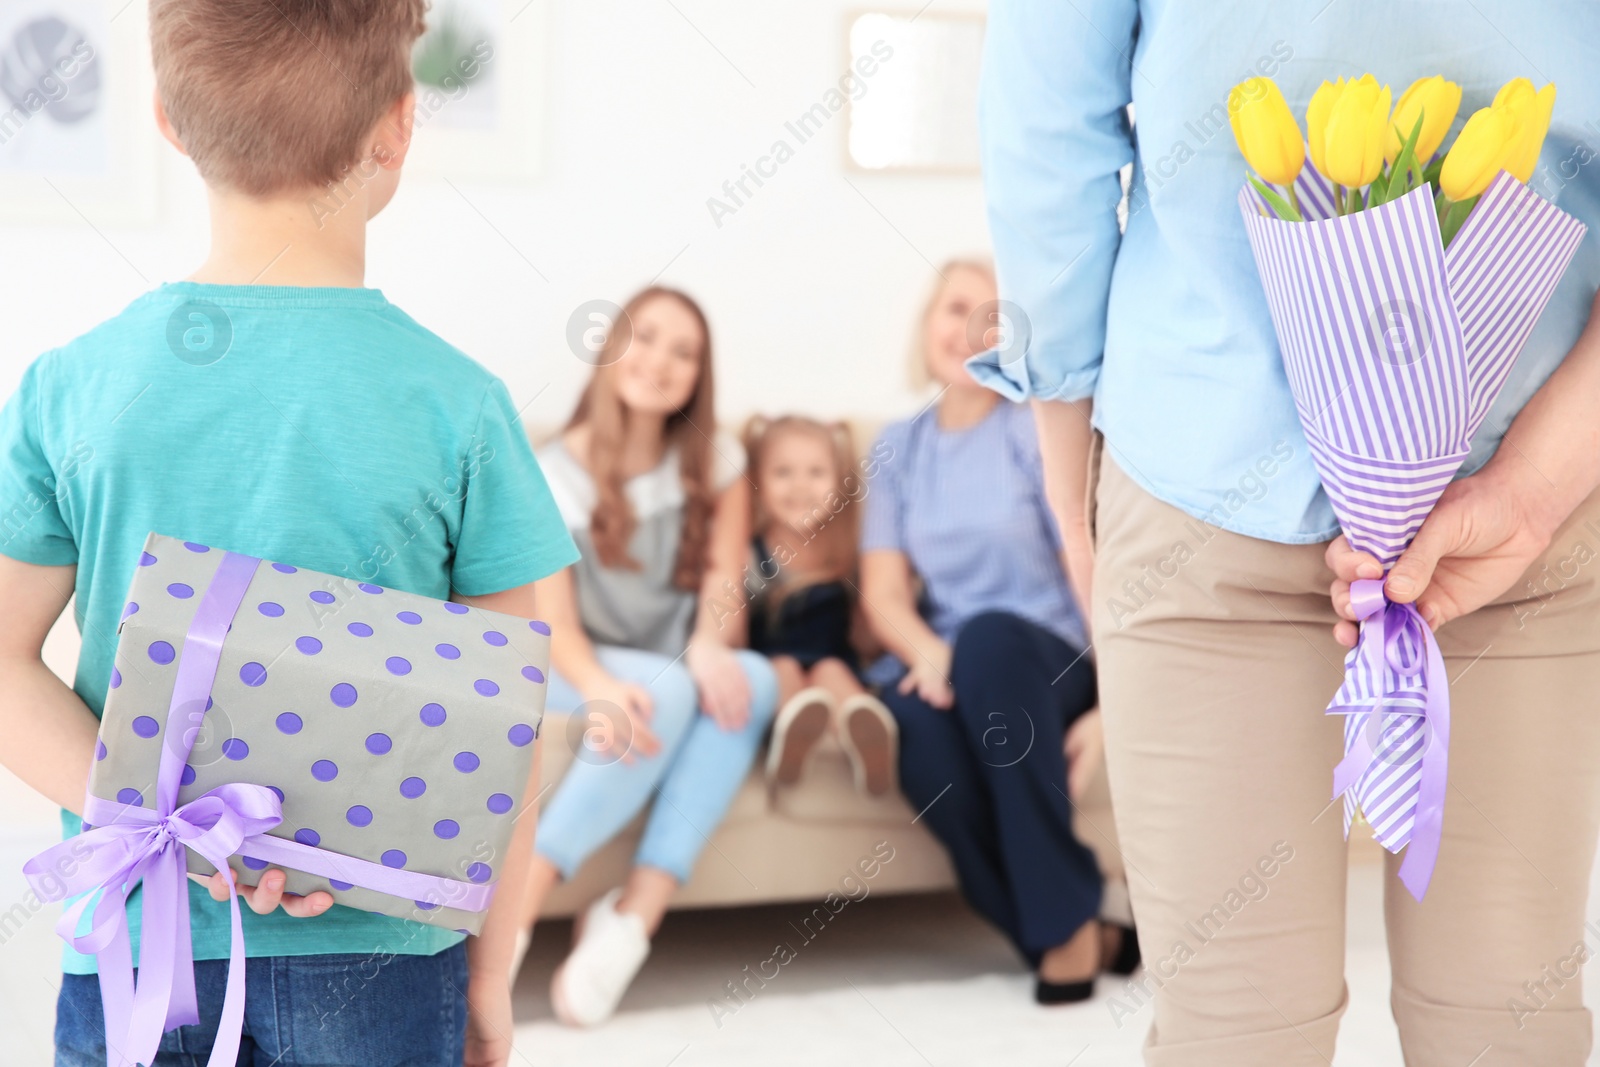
<point>804,543</point>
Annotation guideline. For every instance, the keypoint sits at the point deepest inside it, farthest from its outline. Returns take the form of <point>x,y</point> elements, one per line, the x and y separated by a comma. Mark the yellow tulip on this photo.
<point>1317,113</point>
<point>1532,110</point>
<point>1268,136</point>
<point>1482,150</point>
<point>1437,101</point>
<point>1352,150</point>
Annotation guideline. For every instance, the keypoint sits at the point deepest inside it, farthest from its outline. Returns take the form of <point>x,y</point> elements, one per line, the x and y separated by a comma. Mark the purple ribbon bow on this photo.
<point>1396,644</point>
<point>130,845</point>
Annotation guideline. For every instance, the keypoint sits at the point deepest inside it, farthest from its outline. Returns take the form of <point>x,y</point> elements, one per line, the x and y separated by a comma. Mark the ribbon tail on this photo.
<point>1357,758</point>
<point>115,964</point>
<point>1416,870</point>
<point>225,1050</point>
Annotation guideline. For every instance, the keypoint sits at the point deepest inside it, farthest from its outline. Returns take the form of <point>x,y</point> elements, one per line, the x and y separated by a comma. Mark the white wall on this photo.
<point>810,291</point>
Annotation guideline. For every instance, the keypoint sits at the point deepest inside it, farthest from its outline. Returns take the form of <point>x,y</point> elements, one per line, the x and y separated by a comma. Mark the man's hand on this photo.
<point>1085,747</point>
<point>1478,540</point>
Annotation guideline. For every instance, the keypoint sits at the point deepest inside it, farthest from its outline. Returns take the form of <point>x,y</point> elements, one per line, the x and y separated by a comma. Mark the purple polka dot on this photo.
<point>368,587</point>
<point>181,590</point>
<point>378,744</point>
<point>322,596</point>
<point>393,858</point>
<point>308,645</point>
<point>235,749</point>
<point>432,714</point>
<point>539,628</point>
<point>486,687</point>
<point>479,872</point>
<point>130,796</point>
<point>99,749</point>
<point>494,637</point>
<point>145,726</point>
<point>532,673</point>
<point>270,609</point>
<point>255,864</point>
<point>466,762</point>
<point>359,815</point>
<point>308,836</point>
<point>252,673</point>
<point>290,723</point>
<point>425,905</point>
<point>398,665</point>
<point>360,629</point>
<point>343,694</point>
<point>410,618</point>
<point>521,735</point>
<point>131,608</point>
<point>187,777</point>
<point>194,546</point>
<point>446,829</point>
<point>116,677</point>
<point>448,651</point>
<point>412,788</point>
<point>145,559</point>
<point>161,652</point>
<point>499,803</point>
<point>451,606</point>
<point>335,883</point>
<point>324,770</point>
<point>284,568</point>
<point>278,792</point>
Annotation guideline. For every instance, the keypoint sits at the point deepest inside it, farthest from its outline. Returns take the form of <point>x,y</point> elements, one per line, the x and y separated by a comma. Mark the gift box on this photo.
<point>372,743</point>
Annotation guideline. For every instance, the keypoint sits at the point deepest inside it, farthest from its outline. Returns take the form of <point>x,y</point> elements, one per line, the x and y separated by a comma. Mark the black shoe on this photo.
<point>1062,992</point>
<point>1127,959</point>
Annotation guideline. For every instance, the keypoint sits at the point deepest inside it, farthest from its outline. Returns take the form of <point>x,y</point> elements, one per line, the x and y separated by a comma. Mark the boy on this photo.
<point>272,405</point>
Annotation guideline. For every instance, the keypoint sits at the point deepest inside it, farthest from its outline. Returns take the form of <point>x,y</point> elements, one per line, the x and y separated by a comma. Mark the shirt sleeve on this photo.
<point>882,521</point>
<point>1054,133</point>
<point>511,531</point>
<point>32,528</point>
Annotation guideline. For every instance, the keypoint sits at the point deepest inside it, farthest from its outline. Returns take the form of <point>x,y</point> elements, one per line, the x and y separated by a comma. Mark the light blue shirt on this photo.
<point>967,508</point>
<point>1165,325</point>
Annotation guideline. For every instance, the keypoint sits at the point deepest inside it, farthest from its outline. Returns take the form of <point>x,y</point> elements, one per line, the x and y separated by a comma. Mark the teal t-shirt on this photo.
<point>320,427</point>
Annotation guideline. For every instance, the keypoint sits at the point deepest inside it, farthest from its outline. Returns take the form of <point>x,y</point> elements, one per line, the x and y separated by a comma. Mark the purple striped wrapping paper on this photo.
<point>1395,348</point>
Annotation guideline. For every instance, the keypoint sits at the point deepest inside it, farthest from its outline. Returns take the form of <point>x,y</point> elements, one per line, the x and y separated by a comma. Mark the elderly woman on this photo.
<point>989,671</point>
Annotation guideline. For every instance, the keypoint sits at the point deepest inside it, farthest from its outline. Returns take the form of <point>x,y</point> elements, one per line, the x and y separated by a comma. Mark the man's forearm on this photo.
<point>47,732</point>
<point>1065,437</point>
<point>1552,449</point>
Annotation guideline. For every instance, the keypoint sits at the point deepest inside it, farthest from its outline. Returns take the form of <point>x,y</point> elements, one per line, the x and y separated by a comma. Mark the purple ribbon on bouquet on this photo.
<point>130,845</point>
<point>1407,771</point>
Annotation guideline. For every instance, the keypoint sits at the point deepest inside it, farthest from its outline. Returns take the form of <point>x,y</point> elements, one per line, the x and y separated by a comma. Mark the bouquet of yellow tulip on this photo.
<point>1357,144</point>
<point>1395,346</point>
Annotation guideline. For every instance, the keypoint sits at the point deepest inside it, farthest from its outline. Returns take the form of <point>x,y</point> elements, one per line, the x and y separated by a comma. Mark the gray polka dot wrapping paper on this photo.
<point>395,729</point>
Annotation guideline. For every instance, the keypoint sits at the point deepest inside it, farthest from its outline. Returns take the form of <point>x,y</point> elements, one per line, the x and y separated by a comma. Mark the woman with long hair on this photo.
<point>646,643</point>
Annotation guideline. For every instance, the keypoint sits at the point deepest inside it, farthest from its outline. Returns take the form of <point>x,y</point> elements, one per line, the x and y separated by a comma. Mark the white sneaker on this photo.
<point>589,984</point>
<point>799,725</point>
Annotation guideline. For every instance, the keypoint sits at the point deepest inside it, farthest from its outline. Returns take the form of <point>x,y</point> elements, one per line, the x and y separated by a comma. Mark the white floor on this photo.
<point>911,980</point>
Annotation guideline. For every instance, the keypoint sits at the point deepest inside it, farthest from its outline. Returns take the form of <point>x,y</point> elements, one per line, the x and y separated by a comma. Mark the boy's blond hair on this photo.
<point>272,96</point>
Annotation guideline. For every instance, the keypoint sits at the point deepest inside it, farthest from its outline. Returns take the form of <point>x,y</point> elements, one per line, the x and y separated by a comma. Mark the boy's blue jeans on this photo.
<point>371,1010</point>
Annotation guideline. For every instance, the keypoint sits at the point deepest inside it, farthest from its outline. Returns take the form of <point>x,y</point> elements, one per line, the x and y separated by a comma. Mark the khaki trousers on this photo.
<point>1216,661</point>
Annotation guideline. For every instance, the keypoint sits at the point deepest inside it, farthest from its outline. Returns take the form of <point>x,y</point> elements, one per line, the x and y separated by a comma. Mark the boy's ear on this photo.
<point>164,124</point>
<point>391,138</point>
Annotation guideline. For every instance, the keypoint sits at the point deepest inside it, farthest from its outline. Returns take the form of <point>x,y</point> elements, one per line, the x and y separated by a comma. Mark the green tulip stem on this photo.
<point>1355,200</point>
<point>1294,198</point>
<point>1338,199</point>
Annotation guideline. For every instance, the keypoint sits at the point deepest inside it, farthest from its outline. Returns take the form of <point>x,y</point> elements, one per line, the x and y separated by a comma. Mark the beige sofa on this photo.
<point>798,843</point>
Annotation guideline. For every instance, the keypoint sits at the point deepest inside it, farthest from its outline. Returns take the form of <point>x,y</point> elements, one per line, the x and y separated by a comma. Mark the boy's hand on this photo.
<point>267,894</point>
<point>489,1021</point>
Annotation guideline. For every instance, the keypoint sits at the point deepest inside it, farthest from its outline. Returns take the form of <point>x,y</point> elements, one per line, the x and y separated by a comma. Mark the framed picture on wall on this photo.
<point>77,136</point>
<point>480,90</point>
<point>918,110</point>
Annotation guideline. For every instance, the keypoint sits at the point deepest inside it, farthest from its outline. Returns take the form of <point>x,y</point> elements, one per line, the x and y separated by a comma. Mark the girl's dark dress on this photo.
<point>810,624</point>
